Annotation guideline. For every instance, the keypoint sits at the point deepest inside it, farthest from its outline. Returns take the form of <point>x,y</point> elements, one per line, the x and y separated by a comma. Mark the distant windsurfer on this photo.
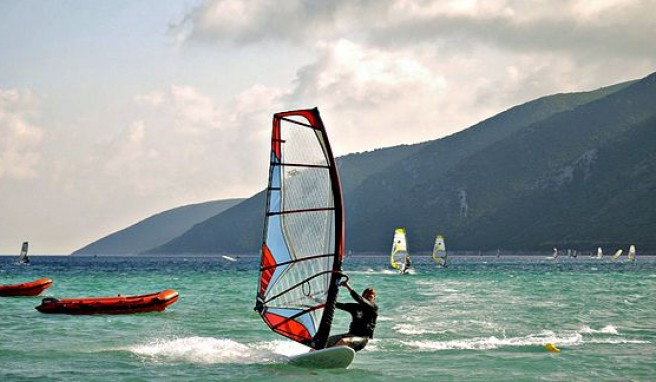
<point>364,313</point>
<point>407,264</point>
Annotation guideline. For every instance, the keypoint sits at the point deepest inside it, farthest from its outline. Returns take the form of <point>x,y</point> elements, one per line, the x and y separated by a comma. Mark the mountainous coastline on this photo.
<point>570,170</point>
<point>156,230</point>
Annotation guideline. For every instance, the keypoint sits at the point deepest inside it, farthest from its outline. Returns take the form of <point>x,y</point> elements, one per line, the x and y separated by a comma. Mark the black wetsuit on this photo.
<point>364,313</point>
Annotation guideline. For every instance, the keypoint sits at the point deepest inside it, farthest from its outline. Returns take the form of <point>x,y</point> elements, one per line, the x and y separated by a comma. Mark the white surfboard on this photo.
<point>337,357</point>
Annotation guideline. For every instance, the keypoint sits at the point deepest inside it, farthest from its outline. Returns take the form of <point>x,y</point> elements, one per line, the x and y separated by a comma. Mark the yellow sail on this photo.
<point>617,254</point>
<point>632,253</point>
<point>399,249</point>
<point>439,251</point>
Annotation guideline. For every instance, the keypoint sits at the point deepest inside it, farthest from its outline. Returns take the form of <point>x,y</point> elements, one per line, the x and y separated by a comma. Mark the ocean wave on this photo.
<point>608,329</point>
<point>492,342</point>
<point>414,330</point>
<point>372,271</point>
<point>533,340</point>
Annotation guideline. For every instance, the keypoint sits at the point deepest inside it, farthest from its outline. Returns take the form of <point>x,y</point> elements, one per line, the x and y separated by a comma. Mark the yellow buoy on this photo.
<point>552,348</point>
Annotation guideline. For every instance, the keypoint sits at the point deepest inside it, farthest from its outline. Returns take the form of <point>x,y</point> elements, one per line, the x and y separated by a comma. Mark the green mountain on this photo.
<point>544,185</point>
<point>569,170</point>
<point>157,229</point>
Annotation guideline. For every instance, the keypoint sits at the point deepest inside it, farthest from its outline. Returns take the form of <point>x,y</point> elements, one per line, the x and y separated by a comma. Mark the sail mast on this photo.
<point>329,310</point>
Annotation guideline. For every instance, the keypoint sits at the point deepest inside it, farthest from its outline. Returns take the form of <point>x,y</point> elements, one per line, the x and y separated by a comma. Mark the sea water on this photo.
<point>481,319</point>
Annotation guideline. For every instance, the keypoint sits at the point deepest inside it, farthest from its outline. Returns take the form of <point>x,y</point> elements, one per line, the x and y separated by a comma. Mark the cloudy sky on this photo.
<point>111,111</point>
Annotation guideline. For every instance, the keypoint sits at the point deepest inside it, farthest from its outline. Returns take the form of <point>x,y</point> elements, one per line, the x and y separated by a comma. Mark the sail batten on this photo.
<point>297,211</point>
<point>298,285</point>
<point>303,231</point>
<point>300,165</point>
<point>303,259</point>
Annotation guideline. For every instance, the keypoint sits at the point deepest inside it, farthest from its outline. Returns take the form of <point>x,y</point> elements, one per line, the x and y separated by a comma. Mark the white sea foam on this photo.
<point>488,343</point>
<point>282,347</point>
<point>608,329</point>
<point>615,341</point>
<point>207,350</point>
<point>449,290</point>
<point>411,330</point>
<point>371,271</point>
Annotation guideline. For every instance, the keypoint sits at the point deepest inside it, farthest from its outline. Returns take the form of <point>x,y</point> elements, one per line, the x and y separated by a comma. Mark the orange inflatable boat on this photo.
<point>110,305</point>
<point>32,288</point>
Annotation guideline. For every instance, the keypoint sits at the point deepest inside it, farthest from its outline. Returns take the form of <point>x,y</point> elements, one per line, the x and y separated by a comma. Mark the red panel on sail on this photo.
<point>275,140</point>
<point>287,327</point>
<point>267,264</point>
<point>307,114</point>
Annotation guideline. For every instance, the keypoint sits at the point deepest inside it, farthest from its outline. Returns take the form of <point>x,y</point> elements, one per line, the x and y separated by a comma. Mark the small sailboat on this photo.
<point>303,239</point>
<point>22,258</point>
<point>600,253</point>
<point>439,251</point>
<point>632,253</point>
<point>400,258</point>
<point>617,255</point>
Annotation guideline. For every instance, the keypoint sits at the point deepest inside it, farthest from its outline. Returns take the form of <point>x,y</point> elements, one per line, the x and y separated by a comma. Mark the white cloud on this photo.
<point>266,20</point>
<point>153,98</point>
<point>190,146</point>
<point>576,27</point>
<point>375,97</point>
<point>19,138</point>
<point>582,30</point>
<point>402,71</point>
<point>194,112</point>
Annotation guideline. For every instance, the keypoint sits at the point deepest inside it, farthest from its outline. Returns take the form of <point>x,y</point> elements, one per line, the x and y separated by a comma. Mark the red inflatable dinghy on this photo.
<point>110,305</point>
<point>32,288</point>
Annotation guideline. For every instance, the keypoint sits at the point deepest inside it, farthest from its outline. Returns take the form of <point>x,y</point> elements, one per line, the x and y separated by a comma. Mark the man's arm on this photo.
<point>359,299</point>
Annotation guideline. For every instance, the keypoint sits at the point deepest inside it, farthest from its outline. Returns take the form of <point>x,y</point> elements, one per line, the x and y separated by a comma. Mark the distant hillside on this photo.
<point>157,229</point>
<point>222,233</point>
<point>544,173</point>
<point>550,183</point>
<point>418,194</point>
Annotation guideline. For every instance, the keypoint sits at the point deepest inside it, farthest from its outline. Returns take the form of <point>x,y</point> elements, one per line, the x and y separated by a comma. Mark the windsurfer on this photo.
<point>407,265</point>
<point>364,313</point>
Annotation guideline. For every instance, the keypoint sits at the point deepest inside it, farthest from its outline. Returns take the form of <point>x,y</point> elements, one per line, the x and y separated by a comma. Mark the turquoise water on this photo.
<point>482,319</point>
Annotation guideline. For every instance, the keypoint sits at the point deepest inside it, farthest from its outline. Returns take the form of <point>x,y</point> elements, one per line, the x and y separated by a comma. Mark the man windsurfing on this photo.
<point>364,313</point>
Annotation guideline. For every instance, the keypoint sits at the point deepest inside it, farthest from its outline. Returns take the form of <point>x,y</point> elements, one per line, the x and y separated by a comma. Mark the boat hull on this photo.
<point>155,302</point>
<point>32,288</point>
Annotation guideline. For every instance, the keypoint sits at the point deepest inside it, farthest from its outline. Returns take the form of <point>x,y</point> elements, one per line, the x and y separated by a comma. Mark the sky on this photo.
<point>112,111</point>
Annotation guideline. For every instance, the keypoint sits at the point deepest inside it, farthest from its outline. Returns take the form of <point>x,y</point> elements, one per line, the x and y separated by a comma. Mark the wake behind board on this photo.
<point>338,357</point>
